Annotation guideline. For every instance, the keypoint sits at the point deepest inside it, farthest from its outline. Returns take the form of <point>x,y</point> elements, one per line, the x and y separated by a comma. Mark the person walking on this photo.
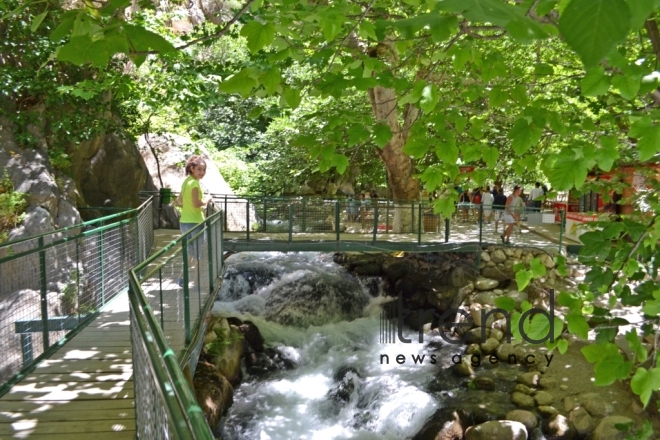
<point>498,207</point>
<point>535,196</point>
<point>487,202</point>
<point>192,201</point>
<point>509,215</point>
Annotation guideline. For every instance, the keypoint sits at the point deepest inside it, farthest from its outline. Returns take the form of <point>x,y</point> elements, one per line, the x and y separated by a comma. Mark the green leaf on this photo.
<point>611,369</point>
<point>595,82</point>
<point>569,300</point>
<point>241,83</point>
<point>505,303</point>
<point>649,144</point>
<point>523,135</point>
<point>519,94</point>
<point>538,269</point>
<point>592,28</point>
<point>340,162</point>
<point>490,155</point>
<point>640,11</point>
<point>636,346</point>
<point>652,308</point>
<point>523,278</point>
<point>143,40</point>
<point>545,6</point>
<point>645,382</point>
<point>578,325</point>
<point>447,152</point>
<point>382,135</point>
<point>82,50</point>
<point>608,153</point>
<point>443,27</point>
<point>445,206</point>
<point>543,69</point>
<point>538,327</point>
<point>628,85</point>
<point>567,171</point>
<point>416,146</point>
<point>429,99</point>
<point>594,353</point>
<point>331,25</point>
<point>63,29</point>
<point>258,35</point>
<point>292,97</point>
<point>432,178</point>
<point>36,21</point>
<point>271,79</point>
<point>562,346</point>
<point>482,11</point>
<point>497,96</point>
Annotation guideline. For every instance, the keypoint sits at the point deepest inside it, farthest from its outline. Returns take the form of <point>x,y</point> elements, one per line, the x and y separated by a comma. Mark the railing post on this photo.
<point>387,217</point>
<point>44,293</point>
<point>225,214</point>
<point>481,222</point>
<point>247,219</point>
<point>337,217</point>
<point>375,221</point>
<point>290,222</point>
<point>412,217</point>
<point>186,290</point>
<point>561,228</point>
<point>419,224</point>
<point>304,215</point>
<point>265,213</point>
<point>102,266</point>
<point>210,240</point>
<point>447,230</point>
<point>160,284</point>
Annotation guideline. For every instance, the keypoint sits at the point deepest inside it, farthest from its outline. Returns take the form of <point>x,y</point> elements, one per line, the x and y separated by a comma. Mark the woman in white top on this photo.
<point>487,201</point>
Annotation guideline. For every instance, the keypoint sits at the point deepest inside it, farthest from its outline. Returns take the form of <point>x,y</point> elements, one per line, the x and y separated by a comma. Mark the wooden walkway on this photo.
<point>85,390</point>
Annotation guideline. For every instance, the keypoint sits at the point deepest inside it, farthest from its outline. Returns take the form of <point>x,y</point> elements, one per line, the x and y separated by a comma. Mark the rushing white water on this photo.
<point>341,387</point>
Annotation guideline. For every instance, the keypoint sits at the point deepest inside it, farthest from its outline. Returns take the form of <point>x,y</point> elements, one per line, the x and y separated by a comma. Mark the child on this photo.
<point>192,201</point>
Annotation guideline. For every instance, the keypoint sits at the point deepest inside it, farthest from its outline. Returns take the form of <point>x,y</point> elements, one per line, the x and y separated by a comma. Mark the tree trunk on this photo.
<point>399,166</point>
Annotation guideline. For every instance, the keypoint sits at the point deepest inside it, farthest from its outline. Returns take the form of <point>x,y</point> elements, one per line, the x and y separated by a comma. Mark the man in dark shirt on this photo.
<point>498,206</point>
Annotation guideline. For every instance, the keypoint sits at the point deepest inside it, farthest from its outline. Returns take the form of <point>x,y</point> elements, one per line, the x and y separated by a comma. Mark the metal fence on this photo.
<point>53,284</point>
<point>170,295</point>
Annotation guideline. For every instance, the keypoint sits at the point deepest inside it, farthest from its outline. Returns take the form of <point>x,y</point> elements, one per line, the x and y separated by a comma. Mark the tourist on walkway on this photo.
<point>535,196</point>
<point>192,201</point>
<point>510,216</point>
<point>498,207</point>
<point>487,203</point>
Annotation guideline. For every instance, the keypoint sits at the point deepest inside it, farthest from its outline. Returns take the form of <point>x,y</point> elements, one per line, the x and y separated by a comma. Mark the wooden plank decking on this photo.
<point>85,390</point>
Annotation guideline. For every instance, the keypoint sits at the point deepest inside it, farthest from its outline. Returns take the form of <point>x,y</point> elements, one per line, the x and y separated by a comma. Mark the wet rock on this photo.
<point>559,428</point>
<point>497,334</point>
<point>497,429</point>
<point>531,379</point>
<point>485,284</point>
<point>485,299</point>
<point>548,411</point>
<point>523,389</point>
<point>485,257</point>
<point>593,402</point>
<point>547,383</point>
<point>498,256</point>
<point>522,400</point>
<point>473,349</point>
<point>490,345</point>
<point>606,429</point>
<point>464,369</point>
<point>543,398</point>
<point>474,336</point>
<point>497,272</point>
<point>368,269</point>
<point>226,354</point>
<point>527,418</point>
<point>484,383</point>
<point>547,261</point>
<point>397,268</point>
<point>570,402</point>
<point>252,335</point>
<point>460,277</point>
<point>445,424</point>
<point>348,380</point>
<point>213,391</point>
<point>581,420</point>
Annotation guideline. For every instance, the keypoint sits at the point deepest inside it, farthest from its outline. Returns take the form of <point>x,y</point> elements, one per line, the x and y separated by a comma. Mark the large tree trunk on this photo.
<point>399,166</point>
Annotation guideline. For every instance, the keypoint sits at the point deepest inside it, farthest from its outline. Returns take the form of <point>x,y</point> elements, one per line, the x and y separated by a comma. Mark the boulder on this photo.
<point>581,420</point>
<point>559,427</point>
<point>490,345</point>
<point>498,272</point>
<point>227,354</point>
<point>531,379</point>
<point>543,398</point>
<point>547,261</point>
<point>606,429</point>
<point>484,383</point>
<point>445,424</point>
<point>497,429</point>
<point>213,391</point>
<point>522,400</point>
<point>498,256</point>
<point>527,418</point>
<point>485,284</point>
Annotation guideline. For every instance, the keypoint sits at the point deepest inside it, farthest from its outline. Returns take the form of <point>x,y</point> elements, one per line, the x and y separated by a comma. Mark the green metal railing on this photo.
<point>170,295</point>
<point>54,284</point>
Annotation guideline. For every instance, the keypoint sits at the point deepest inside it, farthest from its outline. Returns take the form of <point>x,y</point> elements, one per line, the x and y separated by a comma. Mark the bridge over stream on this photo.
<point>102,323</point>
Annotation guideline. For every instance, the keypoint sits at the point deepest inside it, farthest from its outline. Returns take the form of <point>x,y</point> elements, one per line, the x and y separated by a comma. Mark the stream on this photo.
<point>327,326</point>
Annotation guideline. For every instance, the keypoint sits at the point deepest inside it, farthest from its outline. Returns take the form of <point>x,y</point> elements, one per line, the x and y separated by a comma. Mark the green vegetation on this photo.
<point>396,94</point>
<point>12,206</point>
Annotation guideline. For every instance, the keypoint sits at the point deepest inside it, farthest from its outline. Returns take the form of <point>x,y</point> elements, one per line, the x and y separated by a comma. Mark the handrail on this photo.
<point>152,352</point>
